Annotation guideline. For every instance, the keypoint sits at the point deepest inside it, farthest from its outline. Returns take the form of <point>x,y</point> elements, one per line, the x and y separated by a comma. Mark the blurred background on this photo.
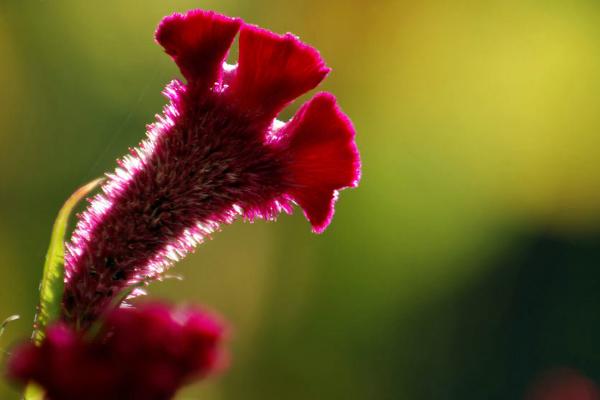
<point>465,266</point>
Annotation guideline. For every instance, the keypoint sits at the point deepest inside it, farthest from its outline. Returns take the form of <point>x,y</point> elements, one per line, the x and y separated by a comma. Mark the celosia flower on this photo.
<point>217,152</point>
<point>145,353</point>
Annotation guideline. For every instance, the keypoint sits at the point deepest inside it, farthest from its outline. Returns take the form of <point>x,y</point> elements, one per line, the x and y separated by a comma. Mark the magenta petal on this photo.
<point>323,157</point>
<point>198,42</point>
<point>274,69</point>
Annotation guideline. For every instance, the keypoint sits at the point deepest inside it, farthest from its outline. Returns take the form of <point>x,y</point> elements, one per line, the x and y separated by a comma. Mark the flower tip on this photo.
<point>323,157</point>
<point>319,224</point>
<point>198,42</point>
<point>274,69</point>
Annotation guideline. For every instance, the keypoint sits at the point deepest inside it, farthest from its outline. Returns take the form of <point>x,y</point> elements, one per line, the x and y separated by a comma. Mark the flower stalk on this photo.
<point>216,153</point>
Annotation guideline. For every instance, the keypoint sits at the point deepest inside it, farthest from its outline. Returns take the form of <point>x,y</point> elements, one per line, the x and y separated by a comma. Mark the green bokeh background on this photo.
<point>463,267</point>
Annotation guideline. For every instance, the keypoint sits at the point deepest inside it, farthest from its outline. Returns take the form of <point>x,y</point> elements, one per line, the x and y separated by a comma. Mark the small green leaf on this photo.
<point>52,285</point>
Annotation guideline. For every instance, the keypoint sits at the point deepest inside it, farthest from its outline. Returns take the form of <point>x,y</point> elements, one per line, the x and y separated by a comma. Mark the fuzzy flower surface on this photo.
<point>146,353</point>
<point>217,152</point>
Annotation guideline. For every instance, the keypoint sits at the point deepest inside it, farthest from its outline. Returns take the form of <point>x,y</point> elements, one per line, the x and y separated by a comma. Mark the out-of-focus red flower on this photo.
<point>216,153</point>
<point>563,384</point>
<point>146,353</point>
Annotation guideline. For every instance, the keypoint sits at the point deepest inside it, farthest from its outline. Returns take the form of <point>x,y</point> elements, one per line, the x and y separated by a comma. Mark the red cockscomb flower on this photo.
<point>217,152</point>
<point>146,353</point>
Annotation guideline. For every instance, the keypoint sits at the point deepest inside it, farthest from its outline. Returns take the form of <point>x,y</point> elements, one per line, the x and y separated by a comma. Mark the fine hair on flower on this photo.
<point>217,152</point>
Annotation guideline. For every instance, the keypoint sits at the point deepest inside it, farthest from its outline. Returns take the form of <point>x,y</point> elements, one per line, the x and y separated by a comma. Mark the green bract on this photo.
<point>51,287</point>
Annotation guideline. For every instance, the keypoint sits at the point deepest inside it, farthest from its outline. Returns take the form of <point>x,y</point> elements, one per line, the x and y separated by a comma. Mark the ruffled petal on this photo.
<point>323,157</point>
<point>273,70</point>
<point>198,41</point>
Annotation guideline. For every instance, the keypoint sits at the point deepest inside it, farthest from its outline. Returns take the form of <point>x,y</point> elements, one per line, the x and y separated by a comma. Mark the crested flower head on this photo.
<point>216,152</point>
<point>146,353</point>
